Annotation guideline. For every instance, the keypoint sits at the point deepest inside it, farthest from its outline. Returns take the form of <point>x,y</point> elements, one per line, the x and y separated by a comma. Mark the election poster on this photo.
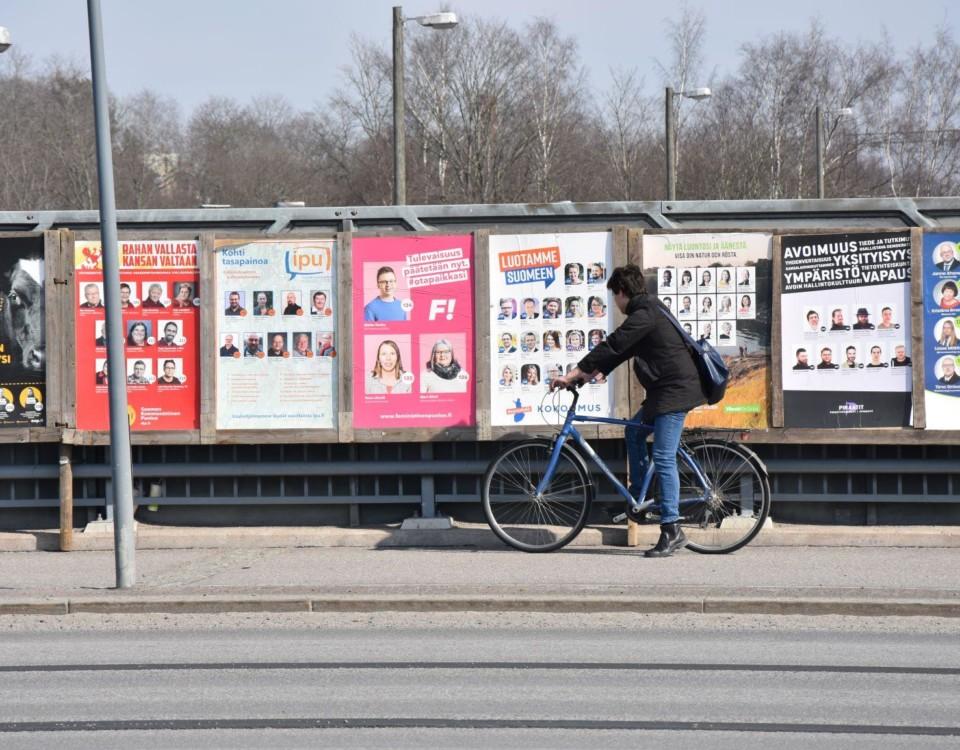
<point>941,325</point>
<point>719,287</point>
<point>276,341</point>
<point>160,304</point>
<point>845,323</point>
<point>549,306</point>
<point>413,321</point>
<point>23,354</point>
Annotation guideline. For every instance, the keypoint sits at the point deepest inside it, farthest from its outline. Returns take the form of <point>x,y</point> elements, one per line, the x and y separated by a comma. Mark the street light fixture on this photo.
<point>671,135</point>
<point>4,39</point>
<point>821,140</point>
<point>441,21</point>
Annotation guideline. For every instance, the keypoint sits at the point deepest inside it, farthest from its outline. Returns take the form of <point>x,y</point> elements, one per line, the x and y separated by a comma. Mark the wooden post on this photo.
<point>66,497</point>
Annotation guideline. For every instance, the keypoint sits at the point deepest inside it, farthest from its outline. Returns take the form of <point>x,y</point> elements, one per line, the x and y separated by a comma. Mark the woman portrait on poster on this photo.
<point>530,375</point>
<point>948,295</point>
<point>507,377</point>
<point>387,373</point>
<point>596,308</point>
<point>573,273</point>
<point>443,373</point>
<point>706,307</point>
<point>746,305</point>
<point>686,280</point>
<point>551,341</point>
<point>595,337</point>
<point>103,377</point>
<point>726,305</point>
<point>184,296</point>
<point>706,280</point>
<point>574,341</point>
<point>948,334</point>
<point>724,281</point>
<point>137,335</point>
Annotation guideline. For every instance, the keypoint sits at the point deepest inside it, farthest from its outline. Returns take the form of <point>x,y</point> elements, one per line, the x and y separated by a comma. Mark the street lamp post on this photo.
<point>434,21</point>
<point>821,142</point>
<point>120,459</point>
<point>671,134</point>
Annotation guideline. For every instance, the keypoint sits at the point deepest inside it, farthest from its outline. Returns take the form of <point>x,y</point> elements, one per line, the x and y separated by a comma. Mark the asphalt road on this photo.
<point>469,680</point>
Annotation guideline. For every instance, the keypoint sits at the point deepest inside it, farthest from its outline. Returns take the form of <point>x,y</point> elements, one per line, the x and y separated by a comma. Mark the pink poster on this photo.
<point>413,362</point>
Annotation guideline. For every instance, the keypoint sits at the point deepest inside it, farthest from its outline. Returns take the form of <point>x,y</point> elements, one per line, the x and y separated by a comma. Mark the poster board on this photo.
<point>719,286</point>
<point>24,287</point>
<point>846,330</point>
<point>160,296</point>
<point>547,306</point>
<point>413,339</point>
<point>940,277</point>
<point>273,339</point>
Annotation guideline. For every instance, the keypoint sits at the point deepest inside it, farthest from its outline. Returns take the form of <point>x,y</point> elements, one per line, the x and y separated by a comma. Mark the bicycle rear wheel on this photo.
<point>732,509</point>
<point>514,511</point>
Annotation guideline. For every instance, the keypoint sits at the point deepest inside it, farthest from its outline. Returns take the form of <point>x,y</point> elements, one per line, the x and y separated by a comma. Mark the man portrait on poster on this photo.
<point>803,362</point>
<point>948,257</point>
<point>949,368</point>
<point>385,307</point>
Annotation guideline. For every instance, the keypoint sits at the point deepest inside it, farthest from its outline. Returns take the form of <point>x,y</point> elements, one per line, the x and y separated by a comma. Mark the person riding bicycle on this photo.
<point>666,370</point>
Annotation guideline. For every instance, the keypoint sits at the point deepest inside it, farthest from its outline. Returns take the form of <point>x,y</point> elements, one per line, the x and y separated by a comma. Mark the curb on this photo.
<point>858,607</point>
<point>462,538</point>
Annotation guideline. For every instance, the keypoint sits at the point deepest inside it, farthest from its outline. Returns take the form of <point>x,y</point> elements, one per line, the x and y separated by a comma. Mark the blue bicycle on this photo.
<point>538,492</point>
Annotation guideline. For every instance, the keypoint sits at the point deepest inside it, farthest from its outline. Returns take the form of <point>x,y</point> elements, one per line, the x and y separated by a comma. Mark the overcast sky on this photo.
<point>192,49</point>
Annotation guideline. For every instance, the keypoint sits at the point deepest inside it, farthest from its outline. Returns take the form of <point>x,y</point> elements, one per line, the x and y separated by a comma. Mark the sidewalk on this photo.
<point>865,580</point>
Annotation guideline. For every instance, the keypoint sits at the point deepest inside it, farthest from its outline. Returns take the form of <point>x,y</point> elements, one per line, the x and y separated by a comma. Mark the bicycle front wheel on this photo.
<point>732,508</point>
<point>518,515</point>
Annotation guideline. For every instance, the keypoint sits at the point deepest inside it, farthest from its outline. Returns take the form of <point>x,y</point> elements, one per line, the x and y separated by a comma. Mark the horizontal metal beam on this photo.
<point>924,212</point>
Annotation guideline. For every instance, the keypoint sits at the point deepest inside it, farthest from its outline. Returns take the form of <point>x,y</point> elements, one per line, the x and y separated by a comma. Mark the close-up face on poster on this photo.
<point>941,326</point>
<point>276,341</point>
<point>845,325</point>
<point>549,307</point>
<point>413,321</point>
<point>160,304</point>
<point>23,354</point>
<point>719,287</point>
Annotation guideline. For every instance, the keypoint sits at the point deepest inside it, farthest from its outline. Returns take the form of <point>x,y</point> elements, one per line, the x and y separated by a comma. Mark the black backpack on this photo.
<point>714,373</point>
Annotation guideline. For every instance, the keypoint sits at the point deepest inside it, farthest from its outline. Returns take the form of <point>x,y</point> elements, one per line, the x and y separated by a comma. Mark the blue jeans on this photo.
<point>667,429</point>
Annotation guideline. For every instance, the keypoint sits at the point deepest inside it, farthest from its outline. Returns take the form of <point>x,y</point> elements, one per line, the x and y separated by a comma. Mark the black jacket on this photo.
<point>662,362</point>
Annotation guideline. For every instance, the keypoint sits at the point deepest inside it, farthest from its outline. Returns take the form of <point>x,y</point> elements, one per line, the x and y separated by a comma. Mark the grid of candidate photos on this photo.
<point>850,337</point>
<point>709,301</point>
<point>540,338</point>
<point>269,315</point>
<point>154,345</point>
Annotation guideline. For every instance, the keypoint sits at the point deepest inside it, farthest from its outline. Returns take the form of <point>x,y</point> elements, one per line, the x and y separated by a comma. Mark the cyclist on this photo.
<point>665,369</point>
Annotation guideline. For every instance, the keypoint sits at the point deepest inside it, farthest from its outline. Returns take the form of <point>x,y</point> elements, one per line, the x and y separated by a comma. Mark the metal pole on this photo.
<point>670,146</point>
<point>820,191</point>
<point>121,472</point>
<point>399,137</point>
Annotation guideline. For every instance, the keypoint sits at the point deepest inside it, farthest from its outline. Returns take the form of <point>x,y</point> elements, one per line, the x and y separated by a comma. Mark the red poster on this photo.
<point>161,325</point>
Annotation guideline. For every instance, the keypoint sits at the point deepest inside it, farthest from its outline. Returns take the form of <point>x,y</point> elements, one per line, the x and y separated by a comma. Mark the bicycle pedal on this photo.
<point>619,518</point>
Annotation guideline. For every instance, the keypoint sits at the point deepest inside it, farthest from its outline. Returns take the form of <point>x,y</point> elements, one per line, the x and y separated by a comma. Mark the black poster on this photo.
<point>23,355</point>
<point>845,330</point>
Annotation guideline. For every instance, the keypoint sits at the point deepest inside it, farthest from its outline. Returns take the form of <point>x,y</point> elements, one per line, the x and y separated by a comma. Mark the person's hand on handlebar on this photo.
<point>576,376</point>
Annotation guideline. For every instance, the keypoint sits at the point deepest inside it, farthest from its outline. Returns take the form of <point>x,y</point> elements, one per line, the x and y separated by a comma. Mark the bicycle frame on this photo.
<point>568,432</point>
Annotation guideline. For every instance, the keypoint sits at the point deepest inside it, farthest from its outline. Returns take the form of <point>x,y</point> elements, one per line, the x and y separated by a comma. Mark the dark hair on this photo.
<point>627,279</point>
<point>826,349</point>
<point>812,312</point>
<point>800,351</point>
<point>949,285</point>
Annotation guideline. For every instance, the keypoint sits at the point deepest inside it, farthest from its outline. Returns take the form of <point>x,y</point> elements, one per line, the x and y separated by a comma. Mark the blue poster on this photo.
<point>941,326</point>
